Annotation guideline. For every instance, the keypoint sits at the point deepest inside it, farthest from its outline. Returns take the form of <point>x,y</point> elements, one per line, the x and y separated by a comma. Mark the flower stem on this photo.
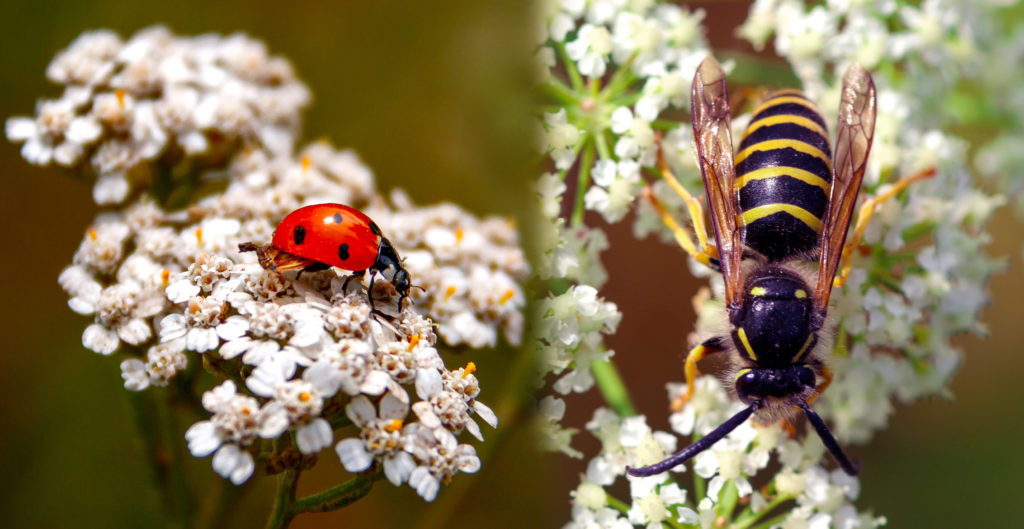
<point>561,92</point>
<point>749,517</point>
<point>570,68</point>
<point>583,181</point>
<point>337,497</point>
<point>612,388</point>
<point>283,512</point>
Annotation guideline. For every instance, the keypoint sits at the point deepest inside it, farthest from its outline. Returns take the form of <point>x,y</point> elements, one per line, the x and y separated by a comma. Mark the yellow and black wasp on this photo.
<point>783,200</point>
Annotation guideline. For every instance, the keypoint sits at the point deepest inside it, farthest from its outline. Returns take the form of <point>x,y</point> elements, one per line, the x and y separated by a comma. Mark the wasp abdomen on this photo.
<point>783,173</point>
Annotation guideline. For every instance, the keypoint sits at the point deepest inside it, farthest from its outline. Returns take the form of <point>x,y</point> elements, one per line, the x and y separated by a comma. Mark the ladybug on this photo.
<point>320,236</point>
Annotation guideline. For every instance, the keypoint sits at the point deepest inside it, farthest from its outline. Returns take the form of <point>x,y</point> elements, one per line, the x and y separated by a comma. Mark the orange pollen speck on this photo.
<point>305,396</point>
<point>394,426</point>
<point>120,97</point>
<point>246,411</point>
<point>193,306</point>
<point>92,234</point>
<point>506,296</point>
<point>199,235</point>
<point>165,276</point>
<point>449,292</point>
<point>306,163</point>
<point>413,341</point>
<point>458,235</point>
<point>470,369</point>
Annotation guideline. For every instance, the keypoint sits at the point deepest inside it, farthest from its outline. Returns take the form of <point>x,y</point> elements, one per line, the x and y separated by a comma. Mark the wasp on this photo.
<point>784,200</point>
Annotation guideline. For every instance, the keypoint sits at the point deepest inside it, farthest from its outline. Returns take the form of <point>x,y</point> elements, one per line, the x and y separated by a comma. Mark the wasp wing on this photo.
<point>853,142</point>
<point>709,99</point>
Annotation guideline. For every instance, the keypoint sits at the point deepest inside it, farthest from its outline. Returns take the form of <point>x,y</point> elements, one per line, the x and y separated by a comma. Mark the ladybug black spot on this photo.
<point>337,218</point>
<point>299,234</point>
<point>343,251</point>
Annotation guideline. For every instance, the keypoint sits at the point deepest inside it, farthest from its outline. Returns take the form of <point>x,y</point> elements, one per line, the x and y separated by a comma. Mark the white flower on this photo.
<point>234,425</point>
<point>381,436</point>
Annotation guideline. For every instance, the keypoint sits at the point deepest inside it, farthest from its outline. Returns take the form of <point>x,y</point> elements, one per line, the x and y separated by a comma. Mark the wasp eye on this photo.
<point>806,376</point>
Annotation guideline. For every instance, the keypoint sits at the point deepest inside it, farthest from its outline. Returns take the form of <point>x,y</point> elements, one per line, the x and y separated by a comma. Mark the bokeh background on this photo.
<point>435,98</point>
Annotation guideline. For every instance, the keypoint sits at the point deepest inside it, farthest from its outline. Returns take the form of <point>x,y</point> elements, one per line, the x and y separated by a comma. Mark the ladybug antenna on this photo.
<point>850,467</point>
<point>701,445</point>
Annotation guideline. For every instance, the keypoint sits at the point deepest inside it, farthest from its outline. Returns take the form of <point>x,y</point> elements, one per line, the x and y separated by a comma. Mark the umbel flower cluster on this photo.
<point>190,144</point>
<point>615,75</point>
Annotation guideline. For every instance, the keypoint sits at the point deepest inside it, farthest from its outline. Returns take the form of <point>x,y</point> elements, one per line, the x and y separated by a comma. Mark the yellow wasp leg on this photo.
<point>864,215</point>
<point>706,251</point>
<point>826,373</point>
<point>695,355</point>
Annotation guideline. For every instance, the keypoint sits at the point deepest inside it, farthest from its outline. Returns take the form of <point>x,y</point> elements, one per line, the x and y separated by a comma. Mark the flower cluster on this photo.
<point>611,71</point>
<point>304,354</point>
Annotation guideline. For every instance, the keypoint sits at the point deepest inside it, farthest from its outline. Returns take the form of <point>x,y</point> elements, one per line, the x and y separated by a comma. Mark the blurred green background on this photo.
<point>434,96</point>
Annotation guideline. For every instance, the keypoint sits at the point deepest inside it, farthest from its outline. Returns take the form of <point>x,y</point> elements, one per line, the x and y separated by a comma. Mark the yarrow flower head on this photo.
<point>304,354</point>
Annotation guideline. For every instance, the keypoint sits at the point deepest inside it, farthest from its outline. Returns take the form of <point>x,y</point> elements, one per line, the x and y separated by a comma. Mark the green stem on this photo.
<point>163,451</point>
<point>282,512</point>
<point>583,181</point>
<point>749,517</point>
<point>561,91</point>
<point>727,499</point>
<point>570,68</point>
<point>602,146</point>
<point>337,497</point>
<point>623,76</point>
<point>616,504</point>
<point>771,522</point>
<point>699,487</point>
<point>612,387</point>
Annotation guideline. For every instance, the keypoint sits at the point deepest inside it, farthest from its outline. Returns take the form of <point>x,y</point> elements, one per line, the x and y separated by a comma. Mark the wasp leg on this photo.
<point>707,253</point>
<point>864,215</point>
<point>826,374</point>
<point>708,347</point>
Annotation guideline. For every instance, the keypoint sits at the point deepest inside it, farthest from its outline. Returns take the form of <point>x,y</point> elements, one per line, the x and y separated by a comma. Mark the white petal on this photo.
<point>360,411</point>
<point>425,484</point>
<point>233,463</point>
<point>36,152</point>
<point>376,382</point>
<point>353,455</point>
<point>20,129</point>
<point>325,377</point>
<point>133,371</point>
<point>82,305</point>
<point>474,429</point>
<point>233,328</point>
<point>398,468</point>
<point>218,396</point>
<point>486,413</point>
<point>426,415</point>
<point>135,332</point>
<point>172,327</point>
<point>110,189</point>
<point>83,130</point>
<point>261,352</point>
<point>391,407</point>
<point>235,347</point>
<point>267,377</point>
<point>201,340</point>
<point>314,436</point>
<point>202,438</point>
<point>428,383</point>
<point>100,339</point>
<point>273,420</point>
<point>181,291</point>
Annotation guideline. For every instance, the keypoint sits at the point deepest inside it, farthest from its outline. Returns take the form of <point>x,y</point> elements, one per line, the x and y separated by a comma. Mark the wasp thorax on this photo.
<point>775,328</point>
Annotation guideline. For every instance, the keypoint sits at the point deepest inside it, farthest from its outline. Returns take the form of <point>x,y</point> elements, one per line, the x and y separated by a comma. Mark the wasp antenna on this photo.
<point>850,467</point>
<point>701,445</point>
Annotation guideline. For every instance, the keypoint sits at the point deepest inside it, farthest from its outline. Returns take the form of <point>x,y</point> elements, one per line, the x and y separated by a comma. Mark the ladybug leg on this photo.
<point>864,215</point>
<point>353,275</point>
<point>369,293</point>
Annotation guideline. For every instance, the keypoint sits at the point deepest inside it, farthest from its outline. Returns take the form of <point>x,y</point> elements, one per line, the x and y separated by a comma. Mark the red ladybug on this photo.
<point>324,235</point>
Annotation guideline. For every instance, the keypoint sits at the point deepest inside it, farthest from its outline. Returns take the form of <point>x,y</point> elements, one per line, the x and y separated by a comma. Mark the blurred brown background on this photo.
<point>434,96</point>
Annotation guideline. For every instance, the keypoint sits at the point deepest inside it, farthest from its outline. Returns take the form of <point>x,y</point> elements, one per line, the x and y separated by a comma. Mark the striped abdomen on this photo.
<point>783,174</point>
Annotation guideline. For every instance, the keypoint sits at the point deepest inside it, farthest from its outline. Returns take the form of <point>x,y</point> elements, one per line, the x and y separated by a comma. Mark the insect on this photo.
<point>320,236</point>
<point>782,200</point>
